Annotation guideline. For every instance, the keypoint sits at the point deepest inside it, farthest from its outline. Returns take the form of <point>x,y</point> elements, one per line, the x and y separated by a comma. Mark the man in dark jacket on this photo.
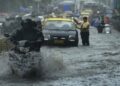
<point>29,32</point>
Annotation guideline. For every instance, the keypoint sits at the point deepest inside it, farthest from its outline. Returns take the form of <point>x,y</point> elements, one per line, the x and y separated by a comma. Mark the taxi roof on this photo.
<point>59,19</point>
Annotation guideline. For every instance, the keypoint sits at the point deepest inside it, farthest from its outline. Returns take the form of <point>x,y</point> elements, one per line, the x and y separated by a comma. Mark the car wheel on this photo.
<point>13,71</point>
<point>76,40</point>
<point>76,43</point>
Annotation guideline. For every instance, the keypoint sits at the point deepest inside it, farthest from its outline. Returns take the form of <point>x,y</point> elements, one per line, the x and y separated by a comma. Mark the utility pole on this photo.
<point>38,5</point>
<point>77,6</point>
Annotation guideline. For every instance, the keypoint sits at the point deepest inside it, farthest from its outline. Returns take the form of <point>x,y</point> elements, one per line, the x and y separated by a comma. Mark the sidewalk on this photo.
<point>116,24</point>
<point>116,20</point>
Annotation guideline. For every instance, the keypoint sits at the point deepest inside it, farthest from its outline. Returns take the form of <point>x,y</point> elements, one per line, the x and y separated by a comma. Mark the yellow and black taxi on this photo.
<point>60,31</point>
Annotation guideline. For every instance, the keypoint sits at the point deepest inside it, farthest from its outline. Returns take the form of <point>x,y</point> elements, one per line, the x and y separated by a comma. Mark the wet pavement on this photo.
<point>94,65</point>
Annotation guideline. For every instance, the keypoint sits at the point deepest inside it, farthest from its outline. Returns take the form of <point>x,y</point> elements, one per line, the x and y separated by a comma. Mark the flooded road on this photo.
<point>94,65</point>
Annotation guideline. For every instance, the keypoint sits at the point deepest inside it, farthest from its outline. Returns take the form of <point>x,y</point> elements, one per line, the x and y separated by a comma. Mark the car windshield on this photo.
<point>60,25</point>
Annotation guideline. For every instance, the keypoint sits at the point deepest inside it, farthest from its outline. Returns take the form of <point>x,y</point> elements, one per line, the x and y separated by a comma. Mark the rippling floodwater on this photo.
<point>96,65</point>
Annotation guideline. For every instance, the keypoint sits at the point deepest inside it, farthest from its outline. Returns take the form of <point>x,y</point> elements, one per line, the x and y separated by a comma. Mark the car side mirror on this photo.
<point>6,35</point>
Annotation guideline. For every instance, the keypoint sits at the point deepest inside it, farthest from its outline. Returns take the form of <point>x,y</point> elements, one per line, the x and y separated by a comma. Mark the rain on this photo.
<point>59,43</point>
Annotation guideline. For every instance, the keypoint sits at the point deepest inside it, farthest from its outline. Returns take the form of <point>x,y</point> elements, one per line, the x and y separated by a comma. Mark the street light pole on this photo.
<point>38,5</point>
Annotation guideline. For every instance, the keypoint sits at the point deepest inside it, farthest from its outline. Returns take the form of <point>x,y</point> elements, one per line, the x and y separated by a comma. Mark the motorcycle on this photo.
<point>100,28</point>
<point>23,62</point>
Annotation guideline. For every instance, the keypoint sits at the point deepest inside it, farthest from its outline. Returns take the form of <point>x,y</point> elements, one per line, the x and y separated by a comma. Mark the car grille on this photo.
<point>59,37</point>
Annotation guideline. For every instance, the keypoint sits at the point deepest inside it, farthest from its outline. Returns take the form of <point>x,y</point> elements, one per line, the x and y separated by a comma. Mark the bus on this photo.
<point>67,6</point>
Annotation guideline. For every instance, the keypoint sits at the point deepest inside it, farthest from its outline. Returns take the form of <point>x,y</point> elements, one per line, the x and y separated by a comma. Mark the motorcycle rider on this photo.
<point>29,32</point>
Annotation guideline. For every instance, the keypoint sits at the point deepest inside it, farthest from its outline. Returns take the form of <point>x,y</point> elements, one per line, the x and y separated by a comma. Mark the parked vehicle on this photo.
<point>100,27</point>
<point>107,28</point>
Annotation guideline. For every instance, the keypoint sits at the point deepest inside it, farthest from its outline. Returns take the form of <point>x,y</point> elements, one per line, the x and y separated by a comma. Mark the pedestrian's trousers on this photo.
<point>85,37</point>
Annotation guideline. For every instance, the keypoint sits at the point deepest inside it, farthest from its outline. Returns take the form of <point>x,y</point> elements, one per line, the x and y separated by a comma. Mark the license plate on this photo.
<point>59,41</point>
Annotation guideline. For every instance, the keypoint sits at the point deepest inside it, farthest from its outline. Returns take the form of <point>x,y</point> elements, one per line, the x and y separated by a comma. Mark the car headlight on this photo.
<point>46,37</point>
<point>1,24</point>
<point>71,37</point>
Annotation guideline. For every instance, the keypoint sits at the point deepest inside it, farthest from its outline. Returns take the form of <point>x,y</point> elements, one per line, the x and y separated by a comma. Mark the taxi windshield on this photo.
<point>60,25</point>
